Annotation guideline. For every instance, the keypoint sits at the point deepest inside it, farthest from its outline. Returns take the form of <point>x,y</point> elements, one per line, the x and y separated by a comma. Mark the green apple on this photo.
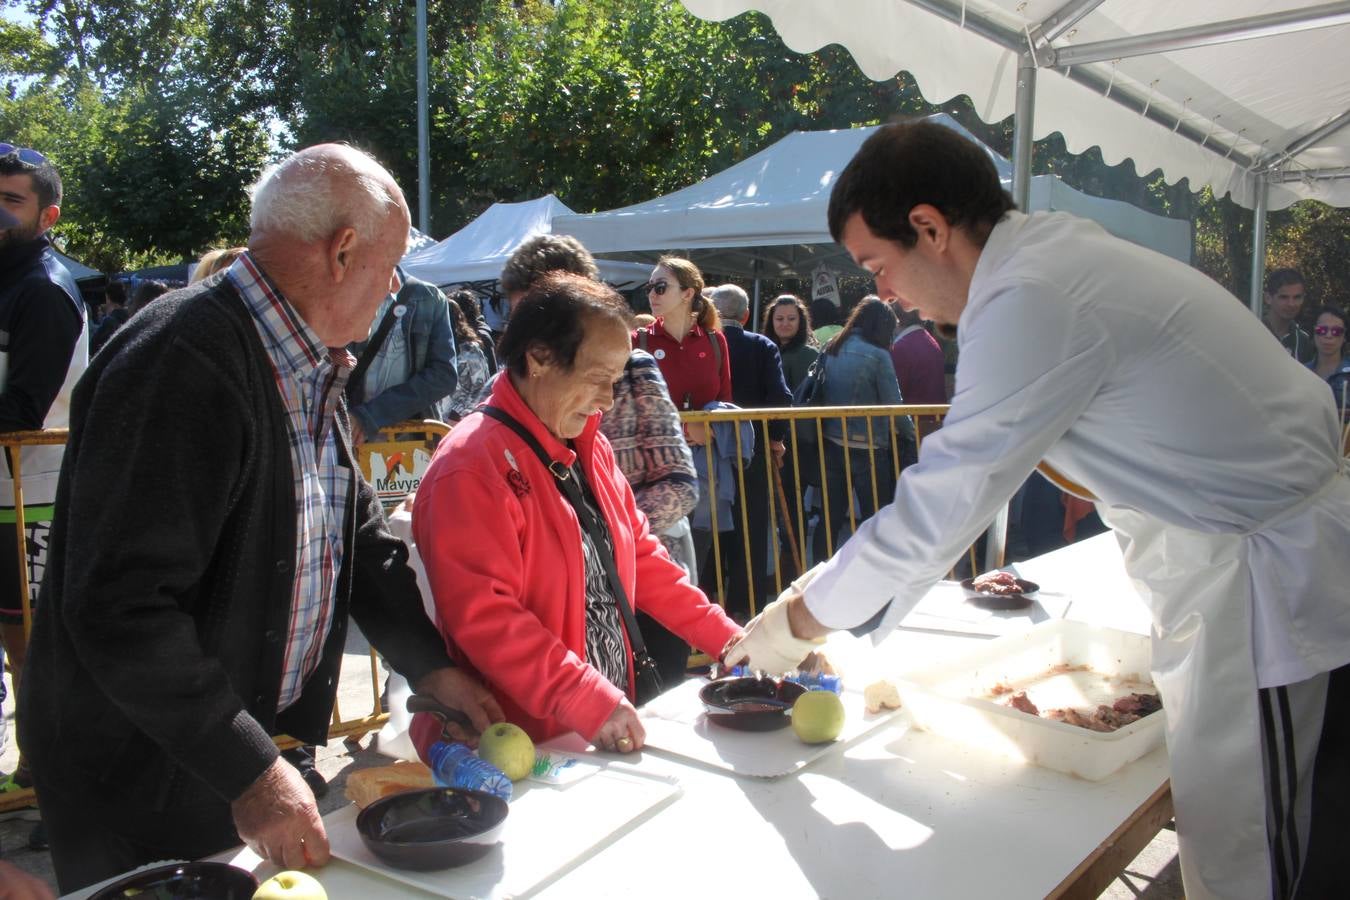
<point>291,886</point>
<point>818,716</point>
<point>508,748</point>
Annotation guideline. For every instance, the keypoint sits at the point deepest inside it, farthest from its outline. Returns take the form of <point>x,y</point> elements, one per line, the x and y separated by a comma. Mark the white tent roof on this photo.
<point>771,208</point>
<point>1216,108</point>
<point>477,252</point>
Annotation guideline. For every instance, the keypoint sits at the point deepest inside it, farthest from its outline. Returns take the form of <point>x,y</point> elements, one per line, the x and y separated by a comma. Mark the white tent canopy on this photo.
<point>766,215</point>
<point>477,252</point>
<point>1243,96</point>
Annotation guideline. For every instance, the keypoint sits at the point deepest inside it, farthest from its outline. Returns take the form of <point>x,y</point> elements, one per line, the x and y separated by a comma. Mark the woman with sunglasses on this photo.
<point>686,339</point>
<point>1330,363</point>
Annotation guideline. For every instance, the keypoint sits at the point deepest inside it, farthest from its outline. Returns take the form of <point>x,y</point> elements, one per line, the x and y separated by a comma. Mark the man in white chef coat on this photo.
<point>1212,453</point>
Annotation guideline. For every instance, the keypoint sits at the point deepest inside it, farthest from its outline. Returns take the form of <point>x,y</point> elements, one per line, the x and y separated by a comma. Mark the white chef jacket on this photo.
<point>1147,383</point>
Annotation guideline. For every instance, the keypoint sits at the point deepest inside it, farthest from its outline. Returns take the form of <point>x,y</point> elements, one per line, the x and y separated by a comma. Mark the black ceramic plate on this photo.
<point>184,881</point>
<point>433,828</point>
<point>750,704</point>
<point>986,600</point>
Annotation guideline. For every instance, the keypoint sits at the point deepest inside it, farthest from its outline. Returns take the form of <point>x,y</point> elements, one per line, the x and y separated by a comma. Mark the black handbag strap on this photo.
<point>570,488</point>
<point>391,315</point>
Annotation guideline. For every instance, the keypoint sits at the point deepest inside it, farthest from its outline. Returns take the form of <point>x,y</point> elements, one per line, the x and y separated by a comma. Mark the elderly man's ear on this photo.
<point>341,253</point>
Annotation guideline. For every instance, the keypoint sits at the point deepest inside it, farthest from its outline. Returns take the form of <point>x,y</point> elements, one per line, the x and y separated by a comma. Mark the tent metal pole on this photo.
<point>1259,246</point>
<point>1309,175</point>
<point>996,538</point>
<point>423,125</point>
<point>1062,19</point>
<point>1289,22</point>
<point>1023,117</point>
<point>1258,223</point>
<point>754,316</point>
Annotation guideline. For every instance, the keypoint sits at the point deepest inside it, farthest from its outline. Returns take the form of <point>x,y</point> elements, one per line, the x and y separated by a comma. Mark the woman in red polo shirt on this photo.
<point>686,339</point>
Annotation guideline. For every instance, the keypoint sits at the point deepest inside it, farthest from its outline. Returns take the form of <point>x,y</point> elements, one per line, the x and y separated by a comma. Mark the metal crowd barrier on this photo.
<point>788,551</point>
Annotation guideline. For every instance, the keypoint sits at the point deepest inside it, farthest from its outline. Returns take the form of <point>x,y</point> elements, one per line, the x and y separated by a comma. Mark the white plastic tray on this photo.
<point>676,723</point>
<point>952,700</point>
<point>548,830</point>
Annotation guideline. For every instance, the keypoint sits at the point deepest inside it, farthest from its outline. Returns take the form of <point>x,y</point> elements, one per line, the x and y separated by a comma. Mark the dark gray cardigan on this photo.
<point>153,674</point>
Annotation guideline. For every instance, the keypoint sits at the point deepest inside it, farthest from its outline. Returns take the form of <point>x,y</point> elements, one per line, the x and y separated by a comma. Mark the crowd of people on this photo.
<point>200,544</point>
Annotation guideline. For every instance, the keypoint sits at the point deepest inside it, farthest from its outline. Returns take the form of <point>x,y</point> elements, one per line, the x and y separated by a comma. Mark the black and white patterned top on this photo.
<point>605,648</point>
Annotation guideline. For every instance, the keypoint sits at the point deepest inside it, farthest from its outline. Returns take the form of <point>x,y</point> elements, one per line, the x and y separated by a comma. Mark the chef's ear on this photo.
<point>930,224</point>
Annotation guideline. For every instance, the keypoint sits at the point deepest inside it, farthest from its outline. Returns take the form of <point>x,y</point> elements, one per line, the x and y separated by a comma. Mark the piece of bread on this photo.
<point>881,695</point>
<point>366,786</point>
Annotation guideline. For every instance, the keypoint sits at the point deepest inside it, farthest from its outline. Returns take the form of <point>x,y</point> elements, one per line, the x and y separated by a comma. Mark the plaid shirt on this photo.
<point>310,379</point>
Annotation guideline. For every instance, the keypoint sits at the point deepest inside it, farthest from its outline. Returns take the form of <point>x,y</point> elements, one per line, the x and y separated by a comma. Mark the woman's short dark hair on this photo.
<point>553,316</point>
<point>1330,310</point>
<point>146,293</point>
<point>803,321</point>
<point>546,253</point>
<point>459,323</point>
<point>468,304</point>
<point>872,320</point>
<point>911,163</point>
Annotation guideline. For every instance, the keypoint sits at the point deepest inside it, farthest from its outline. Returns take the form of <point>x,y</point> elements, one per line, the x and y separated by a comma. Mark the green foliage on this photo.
<point>160,112</point>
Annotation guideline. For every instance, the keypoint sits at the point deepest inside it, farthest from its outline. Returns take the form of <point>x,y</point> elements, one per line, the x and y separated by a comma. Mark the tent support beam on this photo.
<point>1061,20</point>
<point>1016,42</point>
<point>1023,117</point>
<point>1305,142</point>
<point>1324,16</point>
<point>1259,246</point>
<point>1309,175</point>
<point>423,126</point>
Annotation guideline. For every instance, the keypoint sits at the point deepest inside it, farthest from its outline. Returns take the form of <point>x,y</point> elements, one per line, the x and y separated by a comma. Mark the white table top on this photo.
<point>896,812</point>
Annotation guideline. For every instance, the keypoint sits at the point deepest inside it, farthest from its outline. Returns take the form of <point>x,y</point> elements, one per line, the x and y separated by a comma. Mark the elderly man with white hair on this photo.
<point>212,536</point>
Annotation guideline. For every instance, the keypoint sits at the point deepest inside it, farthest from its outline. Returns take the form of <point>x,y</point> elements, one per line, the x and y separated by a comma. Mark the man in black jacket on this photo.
<point>43,350</point>
<point>212,536</point>
<point>756,382</point>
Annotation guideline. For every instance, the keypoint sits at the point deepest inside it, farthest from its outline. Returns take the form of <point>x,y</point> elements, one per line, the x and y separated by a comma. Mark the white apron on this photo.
<point>1200,592</point>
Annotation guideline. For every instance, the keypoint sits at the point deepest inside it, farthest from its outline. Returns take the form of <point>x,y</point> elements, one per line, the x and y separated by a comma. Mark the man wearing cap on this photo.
<point>43,351</point>
<point>213,538</point>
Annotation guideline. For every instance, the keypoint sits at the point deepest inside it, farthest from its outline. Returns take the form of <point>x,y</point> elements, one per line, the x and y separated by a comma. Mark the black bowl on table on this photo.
<point>1024,597</point>
<point>750,704</point>
<point>184,881</point>
<point>432,828</point>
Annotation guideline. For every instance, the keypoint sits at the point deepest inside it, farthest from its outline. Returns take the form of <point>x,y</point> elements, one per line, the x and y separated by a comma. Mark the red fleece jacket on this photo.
<point>502,550</point>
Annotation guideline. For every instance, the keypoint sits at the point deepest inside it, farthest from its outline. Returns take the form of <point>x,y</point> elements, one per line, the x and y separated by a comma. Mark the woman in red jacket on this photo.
<point>686,339</point>
<point>521,587</point>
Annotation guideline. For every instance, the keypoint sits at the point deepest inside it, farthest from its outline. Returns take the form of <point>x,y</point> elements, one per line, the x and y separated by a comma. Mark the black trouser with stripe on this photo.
<point>1305,730</point>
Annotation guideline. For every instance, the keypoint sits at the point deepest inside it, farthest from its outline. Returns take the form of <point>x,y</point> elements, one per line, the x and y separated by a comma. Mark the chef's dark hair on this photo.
<point>910,163</point>
<point>553,316</point>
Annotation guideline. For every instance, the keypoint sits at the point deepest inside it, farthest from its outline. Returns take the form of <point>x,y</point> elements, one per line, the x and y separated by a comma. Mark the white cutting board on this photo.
<point>945,608</point>
<point>676,723</point>
<point>548,830</point>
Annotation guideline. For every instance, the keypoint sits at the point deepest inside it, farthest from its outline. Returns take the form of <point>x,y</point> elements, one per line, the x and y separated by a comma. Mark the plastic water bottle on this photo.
<point>455,765</point>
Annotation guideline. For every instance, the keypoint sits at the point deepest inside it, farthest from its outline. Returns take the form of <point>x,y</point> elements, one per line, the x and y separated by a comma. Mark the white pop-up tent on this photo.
<point>1248,97</point>
<point>475,254</point>
<point>766,215</point>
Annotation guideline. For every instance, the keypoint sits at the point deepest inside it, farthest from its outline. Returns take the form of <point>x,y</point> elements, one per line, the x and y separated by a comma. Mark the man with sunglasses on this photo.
<point>43,351</point>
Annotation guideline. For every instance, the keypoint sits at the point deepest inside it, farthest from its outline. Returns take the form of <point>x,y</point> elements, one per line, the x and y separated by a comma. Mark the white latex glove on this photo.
<point>768,644</point>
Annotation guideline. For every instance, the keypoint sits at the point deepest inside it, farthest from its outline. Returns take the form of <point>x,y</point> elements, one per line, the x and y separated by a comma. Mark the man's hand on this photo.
<point>458,690</point>
<point>622,732</point>
<point>768,643</point>
<point>696,433</point>
<point>779,451</point>
<point>278,819</point>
